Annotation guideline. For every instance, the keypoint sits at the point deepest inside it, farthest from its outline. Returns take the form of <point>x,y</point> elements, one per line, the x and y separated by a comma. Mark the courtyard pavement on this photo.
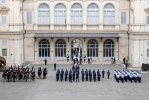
<point>50,89</point>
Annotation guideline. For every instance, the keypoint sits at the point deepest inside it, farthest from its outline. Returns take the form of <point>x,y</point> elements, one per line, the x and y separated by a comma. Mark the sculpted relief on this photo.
<point>4,10</point>
<point>147,10</point>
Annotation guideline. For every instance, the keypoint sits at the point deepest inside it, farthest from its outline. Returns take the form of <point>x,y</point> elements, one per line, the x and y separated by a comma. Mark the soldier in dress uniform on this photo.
<point>82,72</point>
<point>108,74</point>
<point>62,73</point>
<point>54,66</point>
<point>90,75</point>
<point>86,75</point>
<point>77,76</point>
<point>66,74</point>
<point>70,76</point>
<point>94,75</point>
<point>98,74</point>
<point>103,72</point>
<point>73,75</point>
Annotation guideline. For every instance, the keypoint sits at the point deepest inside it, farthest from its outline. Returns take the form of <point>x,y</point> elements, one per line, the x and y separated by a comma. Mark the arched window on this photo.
<point>108,51</point>
<point>109,14</point>
<point>76,48</point>
<point>92,49</point>
<point>44,49</point>
<point>92,14</point>
<point>76,14</point>
<point>60,50</point>
<point>43,14</point>
<point>60,14</point>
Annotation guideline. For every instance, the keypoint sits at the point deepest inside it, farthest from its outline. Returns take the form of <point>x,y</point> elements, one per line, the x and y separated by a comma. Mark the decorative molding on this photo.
<point>147,10</point>
<point>4,10</point>
<point>93,27</point>
<point>76,27</point>
<point>59,27</point>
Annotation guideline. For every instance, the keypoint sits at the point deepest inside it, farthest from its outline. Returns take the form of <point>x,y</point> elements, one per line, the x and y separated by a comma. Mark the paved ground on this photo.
<point>49,89</point>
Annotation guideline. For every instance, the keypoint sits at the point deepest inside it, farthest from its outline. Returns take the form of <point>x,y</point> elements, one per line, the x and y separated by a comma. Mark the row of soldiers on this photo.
<point>74,74</point>
<point>126,75</point>
<point>20,73</point>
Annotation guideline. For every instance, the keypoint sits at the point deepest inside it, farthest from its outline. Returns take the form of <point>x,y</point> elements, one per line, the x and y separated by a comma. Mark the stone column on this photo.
<point>52,50</point>
<point>100,15</point>
<point>84,9</point>
<point>51,15</point>
<point>116,49</point>
<point>35,15</point>
<point>101,49</point>
<point>36,49</point>
<point>68,14</point>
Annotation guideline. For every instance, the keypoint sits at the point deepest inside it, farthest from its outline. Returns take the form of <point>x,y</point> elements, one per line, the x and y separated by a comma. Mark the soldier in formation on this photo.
<point>126,75</point>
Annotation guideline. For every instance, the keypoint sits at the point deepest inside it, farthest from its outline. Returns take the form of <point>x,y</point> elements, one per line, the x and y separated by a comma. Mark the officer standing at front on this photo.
<point>54,66</point>
<point>108,73</point>
<point>103,72</point>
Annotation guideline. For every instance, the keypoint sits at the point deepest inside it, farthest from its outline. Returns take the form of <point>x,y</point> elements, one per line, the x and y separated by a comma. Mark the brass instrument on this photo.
<point>2,62</point>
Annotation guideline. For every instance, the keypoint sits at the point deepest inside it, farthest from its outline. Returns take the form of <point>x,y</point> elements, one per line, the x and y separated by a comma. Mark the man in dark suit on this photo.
<point>124,60</point>
<point>103,72</point>
<point>54,66</point>
<point>108,73</point>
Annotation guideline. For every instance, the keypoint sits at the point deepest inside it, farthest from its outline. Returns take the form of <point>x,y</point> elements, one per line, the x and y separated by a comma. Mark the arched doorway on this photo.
<point>108,49</point>
<point>60,50</point>
<point>92,49</point>
<point>76,48</point>
<point>44,49</point>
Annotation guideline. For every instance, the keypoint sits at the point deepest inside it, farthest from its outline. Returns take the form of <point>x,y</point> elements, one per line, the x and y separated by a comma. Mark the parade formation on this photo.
<point>22,74</point>
<point>126,75</point>
<point>73,74</point>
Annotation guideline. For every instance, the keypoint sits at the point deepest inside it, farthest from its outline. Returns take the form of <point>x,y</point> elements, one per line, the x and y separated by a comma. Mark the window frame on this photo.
<point>4,3</point>
<point>30,21</point>
<point>4,24</point>
<point>123,17</point>
<point>147,52</point>
<point>2,51</point>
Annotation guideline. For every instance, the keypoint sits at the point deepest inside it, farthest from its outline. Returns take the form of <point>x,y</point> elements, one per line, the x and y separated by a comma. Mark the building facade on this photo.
<point>32,30</point>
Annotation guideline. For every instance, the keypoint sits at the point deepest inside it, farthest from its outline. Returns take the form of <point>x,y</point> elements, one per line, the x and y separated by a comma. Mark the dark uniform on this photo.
<point>73,75</point>
<point>62,73</point>
<point>86,74</point>
<point>54,66</point>
<point>66,74</point>
<point>77,76</point>
<point>103,72</point>
<point>94,75</point>
<point>45,61</point>
<point>98,74</point>
<point>108,73</point>
<point>90,75</point>
<point>70,76</point>
<point>82,72</point>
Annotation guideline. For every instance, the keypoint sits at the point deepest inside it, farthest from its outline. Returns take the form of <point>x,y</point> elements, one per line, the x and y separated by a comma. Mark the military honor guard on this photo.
<point>103,72</point>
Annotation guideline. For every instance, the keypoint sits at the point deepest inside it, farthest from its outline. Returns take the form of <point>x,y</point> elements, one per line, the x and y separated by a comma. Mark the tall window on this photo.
<point>60,14</point>
<point>3,1</point>
<point>43,14</point>
<point>92,49</point>
<point>44,49</point>
<point>147,20</point>
<point>92,14</point>
<point>108,49</point>
<point>76,14</point>
<point>3,20</point>
<point>29,17</point>
<point>123,17</point>
<point>147,52</point>
<point>4,52</point>
<point>109,14</point>
<point>4,42</point>
<point>60,48</point>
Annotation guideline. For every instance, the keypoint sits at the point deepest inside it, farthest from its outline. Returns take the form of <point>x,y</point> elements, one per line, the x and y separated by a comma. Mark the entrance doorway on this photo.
<point>76,48</point>
<point>44,50</point>
<point>108,49</point>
